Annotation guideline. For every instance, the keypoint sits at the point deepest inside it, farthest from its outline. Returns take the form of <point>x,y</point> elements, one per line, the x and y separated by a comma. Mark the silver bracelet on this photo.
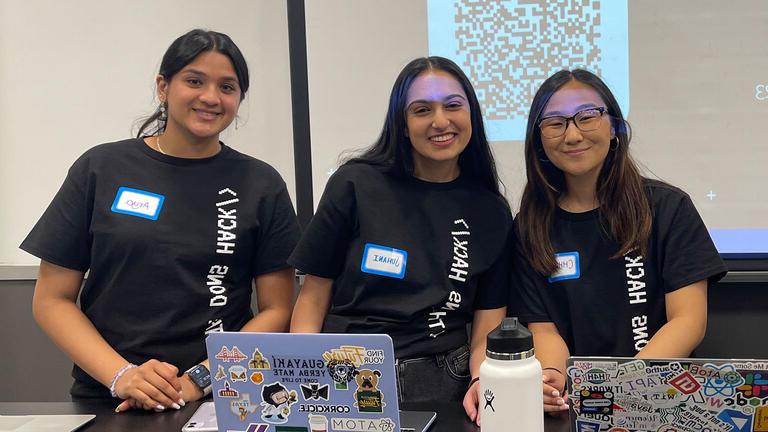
<point>117,376</point>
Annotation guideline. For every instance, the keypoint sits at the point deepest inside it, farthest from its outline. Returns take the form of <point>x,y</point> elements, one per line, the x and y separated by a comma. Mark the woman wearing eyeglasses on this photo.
<point>609,263</point>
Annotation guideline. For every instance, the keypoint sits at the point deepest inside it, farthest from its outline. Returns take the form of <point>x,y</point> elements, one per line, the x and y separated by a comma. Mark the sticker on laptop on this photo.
<point>277,401</point>
<point>220,374</point>
<point>315,391</point>
<point>254,427</point>
<point>258,361</point>
<point>567,267</point>
<point>345,424</point>
<point>238,373</point>
<point>596,401</point>
<point>368,396</point>
<point>228,392</point>
<point>226,355</point>
<point>135,202</point>
<point>257,378</point>
<point>341,372</point>
<point>384,261</point>
<point>242,407</point>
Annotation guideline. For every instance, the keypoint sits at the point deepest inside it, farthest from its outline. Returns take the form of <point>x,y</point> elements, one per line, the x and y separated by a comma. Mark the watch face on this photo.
<point>200,376</point>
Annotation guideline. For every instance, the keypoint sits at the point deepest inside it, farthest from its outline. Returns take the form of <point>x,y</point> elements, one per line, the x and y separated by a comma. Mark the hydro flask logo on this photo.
<point>489,400</point>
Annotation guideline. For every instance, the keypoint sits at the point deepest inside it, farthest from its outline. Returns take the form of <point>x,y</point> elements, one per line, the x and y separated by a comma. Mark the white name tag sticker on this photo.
<point>384,261</point>
<point>138,203</point>
<point>567,267</point>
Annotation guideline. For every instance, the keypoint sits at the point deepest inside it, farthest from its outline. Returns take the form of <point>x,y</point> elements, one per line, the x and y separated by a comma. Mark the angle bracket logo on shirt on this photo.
<point>568,267</point>
<point>135,202</point>
<point>384,261</point>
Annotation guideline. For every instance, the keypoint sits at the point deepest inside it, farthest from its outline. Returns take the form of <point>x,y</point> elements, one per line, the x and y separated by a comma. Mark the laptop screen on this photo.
<point>287,382</point>
<point>668,395</point>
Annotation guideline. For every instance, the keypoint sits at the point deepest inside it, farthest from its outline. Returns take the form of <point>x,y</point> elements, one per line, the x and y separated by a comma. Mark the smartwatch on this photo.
<point>201,376</point>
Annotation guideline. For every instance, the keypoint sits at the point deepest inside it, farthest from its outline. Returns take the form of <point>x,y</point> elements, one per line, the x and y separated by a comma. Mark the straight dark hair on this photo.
<point>182,52</point>
<point>624,210</point>
<point>392,150</point>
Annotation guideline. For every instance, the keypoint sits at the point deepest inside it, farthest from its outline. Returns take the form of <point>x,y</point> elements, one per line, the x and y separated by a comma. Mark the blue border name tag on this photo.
<point>568,267</point>
<point>135,202</point>
<point>384,261</point>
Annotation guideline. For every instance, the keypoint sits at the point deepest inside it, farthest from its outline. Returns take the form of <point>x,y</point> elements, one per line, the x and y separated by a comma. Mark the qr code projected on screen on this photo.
<point>510,47</point>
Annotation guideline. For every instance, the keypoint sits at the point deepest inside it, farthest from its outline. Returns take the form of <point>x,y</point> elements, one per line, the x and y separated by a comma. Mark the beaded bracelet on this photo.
<point>117,376</point>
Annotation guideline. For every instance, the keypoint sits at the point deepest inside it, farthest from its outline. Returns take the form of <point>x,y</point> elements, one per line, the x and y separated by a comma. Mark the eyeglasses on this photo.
<point>586,120</point>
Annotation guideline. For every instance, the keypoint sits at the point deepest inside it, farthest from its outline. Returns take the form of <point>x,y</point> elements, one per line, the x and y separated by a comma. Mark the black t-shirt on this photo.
<point>409,258</point>
<point>171,245</point>
<point>613,306</point>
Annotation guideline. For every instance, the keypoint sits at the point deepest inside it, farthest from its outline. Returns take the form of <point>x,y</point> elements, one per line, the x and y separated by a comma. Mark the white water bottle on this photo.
<point>511,397</point>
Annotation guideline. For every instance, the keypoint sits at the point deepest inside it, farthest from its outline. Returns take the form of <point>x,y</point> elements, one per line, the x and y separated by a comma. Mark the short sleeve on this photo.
<point>279,234</point>
<point>528,297</point>
<point>688,253</point>
<point>493,285</point>
<point>323,247</point>
<point>62,235</point>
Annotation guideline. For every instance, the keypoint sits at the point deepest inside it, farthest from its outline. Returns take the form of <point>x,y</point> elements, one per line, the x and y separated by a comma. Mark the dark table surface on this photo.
<point>450,416</point>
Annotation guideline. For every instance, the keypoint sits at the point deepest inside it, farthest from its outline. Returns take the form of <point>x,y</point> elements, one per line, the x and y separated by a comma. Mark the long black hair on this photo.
<point>182,52</point>
<point>392,150</point>
<point>624,211</point>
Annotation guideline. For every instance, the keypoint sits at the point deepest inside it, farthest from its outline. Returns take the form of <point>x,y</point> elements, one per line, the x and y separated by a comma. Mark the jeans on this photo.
<point>438,378</point>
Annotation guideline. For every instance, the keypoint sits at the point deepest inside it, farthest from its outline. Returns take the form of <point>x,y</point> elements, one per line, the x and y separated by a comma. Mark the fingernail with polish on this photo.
<point>555,393</point>
<point>181,402</point>
<point>160,408</point>
<point>176,406</point>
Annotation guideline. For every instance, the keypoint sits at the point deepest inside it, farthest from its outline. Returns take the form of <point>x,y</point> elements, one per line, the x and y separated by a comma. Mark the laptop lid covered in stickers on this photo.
<point>667,395</point>
<point>288,382</point>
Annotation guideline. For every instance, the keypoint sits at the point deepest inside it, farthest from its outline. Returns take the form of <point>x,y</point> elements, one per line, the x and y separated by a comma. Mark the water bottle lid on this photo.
<point>510,337</point>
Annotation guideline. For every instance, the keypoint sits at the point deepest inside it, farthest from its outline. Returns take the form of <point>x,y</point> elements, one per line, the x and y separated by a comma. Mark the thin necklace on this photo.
<point>160,148</point>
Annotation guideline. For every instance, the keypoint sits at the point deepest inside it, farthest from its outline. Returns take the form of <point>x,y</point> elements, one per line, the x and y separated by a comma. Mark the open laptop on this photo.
<point>204,420</point>
<point>287,382</point>
<point>35,423</point>
<point>667,395</point>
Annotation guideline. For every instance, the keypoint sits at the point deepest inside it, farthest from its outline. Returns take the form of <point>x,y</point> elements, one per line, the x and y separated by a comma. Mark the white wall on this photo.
<point>355,51</point>
<point>77,73</point>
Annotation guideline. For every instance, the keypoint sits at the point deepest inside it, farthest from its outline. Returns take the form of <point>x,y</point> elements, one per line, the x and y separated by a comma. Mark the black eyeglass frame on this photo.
<point>601,110</point>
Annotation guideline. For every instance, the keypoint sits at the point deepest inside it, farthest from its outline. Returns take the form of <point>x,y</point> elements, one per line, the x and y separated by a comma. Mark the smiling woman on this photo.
<point>201,101</point>
<point>202,80</point>
<point>171,243</point>
<point>438,125</point>
<point>578,151</point>
<point>608,263</point>
<point>411,238</point>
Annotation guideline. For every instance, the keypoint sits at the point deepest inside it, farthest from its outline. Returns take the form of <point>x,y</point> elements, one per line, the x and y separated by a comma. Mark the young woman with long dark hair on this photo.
<point>410,239</point>
<point>174,228</point>
<point>608,262</point>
